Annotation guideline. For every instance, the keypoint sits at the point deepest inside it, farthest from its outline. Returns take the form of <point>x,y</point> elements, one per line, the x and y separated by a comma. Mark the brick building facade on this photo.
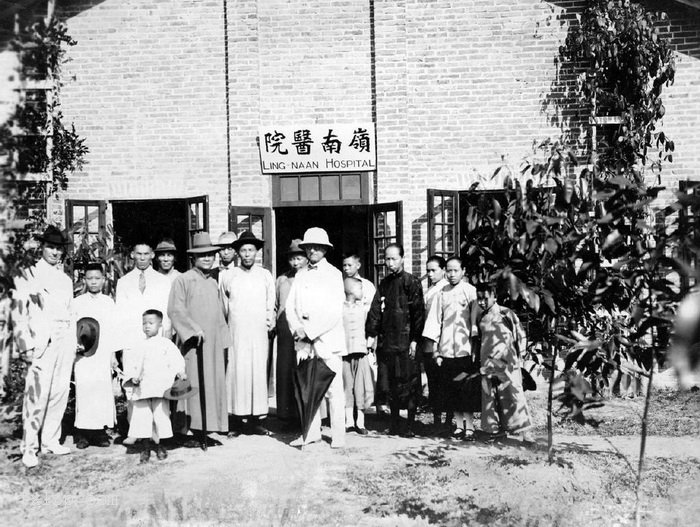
<point>171,96</point>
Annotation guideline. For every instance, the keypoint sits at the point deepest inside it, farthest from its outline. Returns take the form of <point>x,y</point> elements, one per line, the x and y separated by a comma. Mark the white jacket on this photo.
<point>43,297</point>
<point>315,303</point>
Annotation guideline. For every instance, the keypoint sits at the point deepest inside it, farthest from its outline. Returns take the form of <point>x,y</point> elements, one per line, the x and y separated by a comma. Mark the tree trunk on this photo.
<point>642,447</point>
<point>550,435</point>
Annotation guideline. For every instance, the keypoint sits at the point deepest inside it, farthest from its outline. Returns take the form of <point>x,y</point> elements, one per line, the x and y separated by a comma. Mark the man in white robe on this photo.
<point>315,314</point>
<point>249,292</point>
<point>45,333</point>
<point>94,398</point>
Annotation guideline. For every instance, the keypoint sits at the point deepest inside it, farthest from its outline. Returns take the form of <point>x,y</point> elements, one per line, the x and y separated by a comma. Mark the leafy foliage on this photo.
<point>36,139</point>
<point>626,64</point>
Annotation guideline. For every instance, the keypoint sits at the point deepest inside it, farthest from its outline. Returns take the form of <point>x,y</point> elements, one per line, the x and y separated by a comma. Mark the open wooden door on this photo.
<point>197,216</point>
<point>443,223</point>
<point>258,220</point>
<point>385,226</point>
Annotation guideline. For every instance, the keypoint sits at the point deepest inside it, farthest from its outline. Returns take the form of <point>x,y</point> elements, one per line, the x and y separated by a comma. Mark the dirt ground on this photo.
<point>379,480</point>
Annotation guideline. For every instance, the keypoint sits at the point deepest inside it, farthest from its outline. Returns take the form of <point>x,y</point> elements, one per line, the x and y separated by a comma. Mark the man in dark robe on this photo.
<point>396,318</point>
<point>196,310</point>
<point>286,354</point>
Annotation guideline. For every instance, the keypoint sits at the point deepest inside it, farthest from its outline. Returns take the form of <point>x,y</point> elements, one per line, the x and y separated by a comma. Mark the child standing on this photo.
<point>94,398</point>
<point>160,364</point>
<point>357,372</point>
<point>503,405</point>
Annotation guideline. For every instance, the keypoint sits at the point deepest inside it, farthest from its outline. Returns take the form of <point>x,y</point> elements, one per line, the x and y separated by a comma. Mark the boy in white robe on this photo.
<point>158,362</point>
<point>94,398</point>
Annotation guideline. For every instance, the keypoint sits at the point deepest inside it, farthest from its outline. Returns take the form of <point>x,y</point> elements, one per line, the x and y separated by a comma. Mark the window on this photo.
<point>386,228</point>
<point>296,190</point>
<point>443,223</point>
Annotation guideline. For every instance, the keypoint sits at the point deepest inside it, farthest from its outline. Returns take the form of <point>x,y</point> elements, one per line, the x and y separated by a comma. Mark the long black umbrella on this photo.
<point>312,378</point>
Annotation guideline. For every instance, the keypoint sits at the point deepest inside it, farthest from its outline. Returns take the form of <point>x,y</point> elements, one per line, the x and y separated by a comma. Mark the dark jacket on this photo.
<point>400,319</point>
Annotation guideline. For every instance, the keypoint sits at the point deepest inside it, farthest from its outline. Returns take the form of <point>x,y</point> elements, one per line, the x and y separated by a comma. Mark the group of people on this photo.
<point>193,350</point>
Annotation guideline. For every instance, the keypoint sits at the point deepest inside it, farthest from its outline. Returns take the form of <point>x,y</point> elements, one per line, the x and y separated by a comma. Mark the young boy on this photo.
<point>503,405</point>
<point>94,399</point>
<point>160,364</point>
<point>357,373</point>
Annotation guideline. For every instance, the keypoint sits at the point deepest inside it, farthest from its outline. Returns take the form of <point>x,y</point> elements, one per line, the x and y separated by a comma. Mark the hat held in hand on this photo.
<point>88,333</point>
<point>181,389</point>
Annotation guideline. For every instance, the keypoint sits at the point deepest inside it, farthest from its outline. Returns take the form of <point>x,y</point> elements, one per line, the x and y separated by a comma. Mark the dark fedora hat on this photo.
<point>295,248</point>
<point>248,237</point>
<point>54,236</point>
<point>202,244</point>
<point>181,389</point>
<point>88,333</point>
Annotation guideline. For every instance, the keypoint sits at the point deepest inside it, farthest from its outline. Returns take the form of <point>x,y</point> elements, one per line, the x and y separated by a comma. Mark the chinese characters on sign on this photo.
<point>317,148</point>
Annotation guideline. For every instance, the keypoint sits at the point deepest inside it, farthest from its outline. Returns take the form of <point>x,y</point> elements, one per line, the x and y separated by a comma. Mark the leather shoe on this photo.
<point>56,450</point>
<point>258,430</point>
<point>349,429</point>
<point>361,431</point>
<point>30,460</point>
<point>299,441</point>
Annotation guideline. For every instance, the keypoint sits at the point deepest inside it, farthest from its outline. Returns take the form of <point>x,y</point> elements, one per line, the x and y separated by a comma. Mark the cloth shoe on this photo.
<point>101,441</point>
<point>81,442</point>
<point>56,450</point>
<point>337,444</point>
<point>129,441</point>
<point>145,451</point>
<point>30,460</point>
<point>161,452</point>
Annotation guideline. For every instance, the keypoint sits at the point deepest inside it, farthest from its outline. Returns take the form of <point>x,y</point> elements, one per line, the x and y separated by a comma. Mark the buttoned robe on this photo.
<point>286,355</point>
<point>503,404</point>
<point>396,318</point>
<point>451,323</point>
<point>250,295</point>
<point>195,304</point>
<point>94,398</point>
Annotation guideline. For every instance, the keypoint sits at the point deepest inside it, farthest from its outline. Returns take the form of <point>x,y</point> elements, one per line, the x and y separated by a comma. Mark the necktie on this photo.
<point>142,282</point>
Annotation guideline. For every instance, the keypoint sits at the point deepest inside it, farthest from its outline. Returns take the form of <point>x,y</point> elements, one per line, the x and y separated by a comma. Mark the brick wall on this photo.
<point>145,86</point>
<point>460,89</point>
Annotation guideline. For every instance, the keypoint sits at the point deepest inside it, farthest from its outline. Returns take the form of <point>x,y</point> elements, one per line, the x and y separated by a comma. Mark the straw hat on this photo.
<point>226,238</point>
<point>181,389</point>
<point>316,236</point>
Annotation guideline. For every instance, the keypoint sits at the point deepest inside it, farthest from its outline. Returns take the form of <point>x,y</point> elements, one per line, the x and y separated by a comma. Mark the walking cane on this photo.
<point>202,401</point>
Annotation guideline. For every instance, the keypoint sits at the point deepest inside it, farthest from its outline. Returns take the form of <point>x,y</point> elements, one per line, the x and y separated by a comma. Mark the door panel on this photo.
<point>385,227</point>
<point>258,220</point>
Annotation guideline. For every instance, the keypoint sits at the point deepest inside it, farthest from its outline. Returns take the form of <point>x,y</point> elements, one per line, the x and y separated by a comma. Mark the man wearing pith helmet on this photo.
<point>314,310</point>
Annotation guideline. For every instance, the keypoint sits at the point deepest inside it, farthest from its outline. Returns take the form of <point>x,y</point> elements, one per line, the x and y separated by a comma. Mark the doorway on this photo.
<point>346,227</point>
<point>150,221</point>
